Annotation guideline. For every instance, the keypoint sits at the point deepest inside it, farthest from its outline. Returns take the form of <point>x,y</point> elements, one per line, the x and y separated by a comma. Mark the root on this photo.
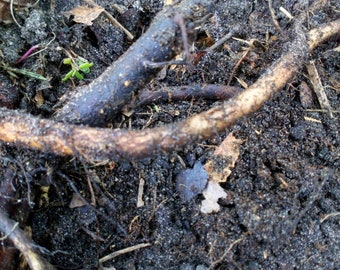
<point>170,94</point>
<point>99,102</point>
<point>104,144</point>
<point>22,242</point>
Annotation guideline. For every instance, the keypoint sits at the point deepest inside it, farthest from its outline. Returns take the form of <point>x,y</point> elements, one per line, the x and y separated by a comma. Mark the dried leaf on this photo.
<point>224,158</point>
<point>212,193</point>
<point>219,168</point>
<point>85,14</point>
<point>306,95</point>
<point>5,13</point>
<point>39,98</point>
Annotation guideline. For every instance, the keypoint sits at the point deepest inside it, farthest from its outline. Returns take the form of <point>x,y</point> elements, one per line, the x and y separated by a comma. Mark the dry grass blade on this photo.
<point>318,87</point>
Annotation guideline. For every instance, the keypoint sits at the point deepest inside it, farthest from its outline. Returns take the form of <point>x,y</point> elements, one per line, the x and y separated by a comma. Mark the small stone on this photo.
<point>191,182</point>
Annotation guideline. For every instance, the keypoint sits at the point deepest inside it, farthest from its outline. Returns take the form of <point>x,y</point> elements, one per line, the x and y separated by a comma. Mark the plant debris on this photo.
<point>98,103</point>
<point>219,168</point>
<point>212,193</point>
<point>85,14</point>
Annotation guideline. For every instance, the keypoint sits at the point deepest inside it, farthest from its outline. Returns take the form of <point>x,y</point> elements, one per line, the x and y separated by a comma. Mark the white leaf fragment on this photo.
<point>212,193</point>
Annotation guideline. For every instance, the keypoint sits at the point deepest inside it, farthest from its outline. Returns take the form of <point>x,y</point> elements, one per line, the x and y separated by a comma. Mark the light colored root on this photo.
<point>104,144</point>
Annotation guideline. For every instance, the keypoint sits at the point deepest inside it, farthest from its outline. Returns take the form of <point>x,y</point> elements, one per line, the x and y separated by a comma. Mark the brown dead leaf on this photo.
<point>85,14</point>
<point>5,13</point>
<point>224,158</point>
<point>39,98</point>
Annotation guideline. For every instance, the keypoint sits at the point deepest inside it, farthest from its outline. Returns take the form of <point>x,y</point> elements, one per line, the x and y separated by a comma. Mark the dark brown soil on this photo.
<point>283,196</point>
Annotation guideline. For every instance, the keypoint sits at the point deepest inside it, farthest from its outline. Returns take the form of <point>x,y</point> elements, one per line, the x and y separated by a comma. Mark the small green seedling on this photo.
<point>78,65</point>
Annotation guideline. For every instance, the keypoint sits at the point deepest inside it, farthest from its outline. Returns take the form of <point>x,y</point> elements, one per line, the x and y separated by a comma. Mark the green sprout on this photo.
<point>14,71</point>
<point>78,65</point>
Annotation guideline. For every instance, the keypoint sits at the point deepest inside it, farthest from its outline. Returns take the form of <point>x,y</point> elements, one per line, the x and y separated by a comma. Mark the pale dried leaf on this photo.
<point>85,14</point>
<point>212,194</point>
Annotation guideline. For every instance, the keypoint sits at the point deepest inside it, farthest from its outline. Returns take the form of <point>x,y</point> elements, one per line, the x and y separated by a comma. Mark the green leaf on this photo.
<point>67,61</point>
<point>67,76</point>
<point>79,76</point>
<point>85,67</point>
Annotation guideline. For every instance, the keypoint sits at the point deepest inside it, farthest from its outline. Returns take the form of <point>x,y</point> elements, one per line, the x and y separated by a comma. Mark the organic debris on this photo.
<point>106,144</point>
<point>227,153</point>
<point>7,7</point>
<point>85,14</point>
<point>225,157</point>
<point>271,200</point>
<point>212,194</point>
<point>318,87</point>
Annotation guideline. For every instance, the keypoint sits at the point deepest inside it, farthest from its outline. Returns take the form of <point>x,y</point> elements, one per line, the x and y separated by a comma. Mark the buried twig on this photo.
<point>98,103</point>
<point>104,144</point>
<point>22,242</point>
<point>184,92</point>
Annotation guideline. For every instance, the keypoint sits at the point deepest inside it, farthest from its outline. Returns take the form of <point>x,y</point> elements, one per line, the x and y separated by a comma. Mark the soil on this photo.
<point>283,195</point>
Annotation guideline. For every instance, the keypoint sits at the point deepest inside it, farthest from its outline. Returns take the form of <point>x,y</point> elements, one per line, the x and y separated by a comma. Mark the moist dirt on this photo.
<point>283,195</point>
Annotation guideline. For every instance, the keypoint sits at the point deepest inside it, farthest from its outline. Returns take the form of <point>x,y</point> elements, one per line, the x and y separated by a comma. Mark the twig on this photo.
<point>98,103</point>
<point>212,266</point>
<point>23,243</point>
<point>104,144</point>
<point>174,93</point>
<point>233,72</point>
<point>221,41</point>
<point>272,14</point>
<point>329,216</point>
